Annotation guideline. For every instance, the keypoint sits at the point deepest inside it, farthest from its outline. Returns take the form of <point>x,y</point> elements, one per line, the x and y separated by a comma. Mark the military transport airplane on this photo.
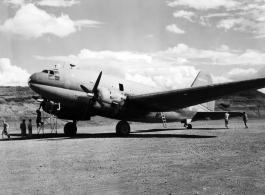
<point>82,94</point>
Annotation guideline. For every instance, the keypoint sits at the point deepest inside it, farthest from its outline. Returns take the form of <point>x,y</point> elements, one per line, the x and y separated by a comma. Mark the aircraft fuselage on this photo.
<point>63,86</point>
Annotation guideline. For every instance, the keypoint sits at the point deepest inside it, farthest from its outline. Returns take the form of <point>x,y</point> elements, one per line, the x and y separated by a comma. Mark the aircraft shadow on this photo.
<point>59,136</point>
<point>182,129</point>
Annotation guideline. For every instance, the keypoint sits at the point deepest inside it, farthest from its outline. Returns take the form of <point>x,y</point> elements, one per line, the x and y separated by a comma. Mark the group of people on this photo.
<point>245,119</point>
<point>24,126</point>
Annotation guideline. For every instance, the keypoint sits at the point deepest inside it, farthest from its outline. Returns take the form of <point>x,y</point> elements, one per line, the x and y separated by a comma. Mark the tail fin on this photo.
<point>204,78</point>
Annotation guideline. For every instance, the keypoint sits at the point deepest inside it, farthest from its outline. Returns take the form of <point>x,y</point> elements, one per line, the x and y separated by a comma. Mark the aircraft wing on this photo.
<point>182,98</point>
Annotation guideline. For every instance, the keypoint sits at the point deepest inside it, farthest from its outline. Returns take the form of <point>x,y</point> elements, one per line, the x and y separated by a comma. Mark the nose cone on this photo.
<point>32,79</point>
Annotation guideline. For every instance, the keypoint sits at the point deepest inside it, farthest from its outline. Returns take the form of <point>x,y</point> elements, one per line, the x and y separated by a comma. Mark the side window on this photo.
<point>51,75</point>
<point>56,75</point>
<point>121,87</point>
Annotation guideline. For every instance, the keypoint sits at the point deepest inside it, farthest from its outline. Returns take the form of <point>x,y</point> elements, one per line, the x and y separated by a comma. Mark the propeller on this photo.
<point>94,95</point>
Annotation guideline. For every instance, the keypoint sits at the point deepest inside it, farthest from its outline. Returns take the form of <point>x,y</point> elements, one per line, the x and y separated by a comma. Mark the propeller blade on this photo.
<point>96,84</point>
<point>94,94</point>
<point>84,89</point>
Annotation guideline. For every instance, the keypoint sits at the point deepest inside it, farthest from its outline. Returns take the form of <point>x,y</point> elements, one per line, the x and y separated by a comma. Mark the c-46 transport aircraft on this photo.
<point>82,94</point>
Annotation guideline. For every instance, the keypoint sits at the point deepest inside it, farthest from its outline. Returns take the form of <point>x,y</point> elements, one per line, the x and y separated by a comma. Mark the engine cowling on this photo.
<point>107,96</point>
<point>113,101</point>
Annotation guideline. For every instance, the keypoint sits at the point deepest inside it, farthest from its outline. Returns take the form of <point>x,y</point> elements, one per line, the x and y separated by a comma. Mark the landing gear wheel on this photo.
<point>123,128</point>
<point>70,129</point>
<point>189,126</point>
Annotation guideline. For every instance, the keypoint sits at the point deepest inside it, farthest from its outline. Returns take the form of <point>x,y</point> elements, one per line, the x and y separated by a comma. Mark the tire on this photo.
<point>123,128</point>
<point>70,129</point>
<point>189,126</point>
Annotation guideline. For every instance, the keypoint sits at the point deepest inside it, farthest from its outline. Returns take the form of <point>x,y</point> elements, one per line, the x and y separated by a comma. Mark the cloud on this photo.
<point>11,75</point>
<point>205,4</point>
<point>184,14</point>
<point>174,29</point>
<point>54,3</point>
<point>224,48</point>
<point>229,23</point>
<point>14,2</point>
<point>241,74</point>
<point>31,22</point>
<point>213,57</point>
<point>57,3</point>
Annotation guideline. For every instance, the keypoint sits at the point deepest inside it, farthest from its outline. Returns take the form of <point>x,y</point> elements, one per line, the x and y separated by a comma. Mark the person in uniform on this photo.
<point>38,120</point>
<point>245,119</point>
<point>23,129</point>
<point>30,128</point>
<point>5,130</point>
<point>226,119</point>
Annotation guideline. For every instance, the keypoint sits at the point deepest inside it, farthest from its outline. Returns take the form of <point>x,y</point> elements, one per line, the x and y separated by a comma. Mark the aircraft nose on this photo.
<point>32,79</point>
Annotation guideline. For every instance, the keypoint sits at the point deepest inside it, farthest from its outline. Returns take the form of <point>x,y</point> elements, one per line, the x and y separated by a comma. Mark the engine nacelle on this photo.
<point>107,96</point>
<point>113,101</point>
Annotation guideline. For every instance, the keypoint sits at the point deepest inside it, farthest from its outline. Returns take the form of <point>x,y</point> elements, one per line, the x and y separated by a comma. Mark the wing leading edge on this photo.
<point>182,98</point>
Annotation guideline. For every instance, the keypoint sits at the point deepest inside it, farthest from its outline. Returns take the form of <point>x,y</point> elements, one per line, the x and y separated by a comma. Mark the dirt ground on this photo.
<point>208,159</point>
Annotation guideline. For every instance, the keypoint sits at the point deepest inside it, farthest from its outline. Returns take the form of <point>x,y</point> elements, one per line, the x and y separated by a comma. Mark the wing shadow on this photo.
<point>60,136</point>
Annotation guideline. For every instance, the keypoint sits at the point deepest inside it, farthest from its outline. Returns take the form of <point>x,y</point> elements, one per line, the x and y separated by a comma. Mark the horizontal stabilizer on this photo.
<point>201,116</point>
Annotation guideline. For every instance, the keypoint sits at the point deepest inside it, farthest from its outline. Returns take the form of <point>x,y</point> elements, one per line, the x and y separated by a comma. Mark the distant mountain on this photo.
<point>252,102</point>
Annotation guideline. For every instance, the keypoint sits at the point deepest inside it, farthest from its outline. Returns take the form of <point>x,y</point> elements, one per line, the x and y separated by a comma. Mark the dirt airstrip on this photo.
<point>208,159</point>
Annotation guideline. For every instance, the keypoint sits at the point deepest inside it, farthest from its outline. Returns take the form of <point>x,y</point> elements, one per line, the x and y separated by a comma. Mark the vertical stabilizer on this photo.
<point>204,78</point>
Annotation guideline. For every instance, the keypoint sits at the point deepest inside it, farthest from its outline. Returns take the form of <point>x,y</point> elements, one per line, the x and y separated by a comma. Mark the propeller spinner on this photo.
<point>94,94</point>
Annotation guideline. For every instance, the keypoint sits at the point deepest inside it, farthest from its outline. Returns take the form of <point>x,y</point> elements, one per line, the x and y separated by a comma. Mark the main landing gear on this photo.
<point>70,128</point>
<point>188,126</point>
<point>123,128</point>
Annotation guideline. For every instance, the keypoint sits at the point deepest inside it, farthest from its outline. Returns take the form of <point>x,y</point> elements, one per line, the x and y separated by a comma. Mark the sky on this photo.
<point>154,42</point>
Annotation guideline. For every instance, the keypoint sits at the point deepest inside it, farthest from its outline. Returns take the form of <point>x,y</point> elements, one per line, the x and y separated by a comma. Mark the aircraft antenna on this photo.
<point>72,66</point>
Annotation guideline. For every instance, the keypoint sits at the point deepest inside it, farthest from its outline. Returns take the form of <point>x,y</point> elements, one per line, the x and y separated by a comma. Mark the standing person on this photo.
<point>30,128</point>
<point>245,119</point>
<point>38,120</point>
<point>23,129</point>
<point>5,130</point>
<point>226,119</point>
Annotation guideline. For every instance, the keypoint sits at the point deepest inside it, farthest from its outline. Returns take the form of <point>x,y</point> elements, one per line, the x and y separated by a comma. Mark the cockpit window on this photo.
<point>53,74</point>
<point>45,71</point>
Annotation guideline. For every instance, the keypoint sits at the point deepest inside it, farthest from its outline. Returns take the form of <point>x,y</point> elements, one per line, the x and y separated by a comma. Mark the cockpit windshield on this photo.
<point>52,74</point>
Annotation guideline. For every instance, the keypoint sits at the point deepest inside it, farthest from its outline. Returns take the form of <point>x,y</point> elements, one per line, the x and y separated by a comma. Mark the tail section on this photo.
<point>204,78</point>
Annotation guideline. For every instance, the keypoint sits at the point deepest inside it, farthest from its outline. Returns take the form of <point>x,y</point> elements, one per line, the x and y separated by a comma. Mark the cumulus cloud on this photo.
<point>213,57</point>
<point>14,2</point>
<point>229,23</point>
<point>184,14</point>
<point>205,4</point>
<point>174,29</point>
<point>31,22</point>
<point>54,3</point>
<point>57,3</point>
<point>243,16</point>
<point>241,74</point>
<point>11,75</point>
